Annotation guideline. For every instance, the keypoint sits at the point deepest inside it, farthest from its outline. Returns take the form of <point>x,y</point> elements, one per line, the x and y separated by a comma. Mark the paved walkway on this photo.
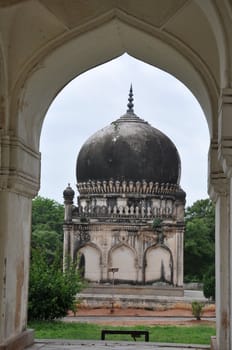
<point>103,345</point>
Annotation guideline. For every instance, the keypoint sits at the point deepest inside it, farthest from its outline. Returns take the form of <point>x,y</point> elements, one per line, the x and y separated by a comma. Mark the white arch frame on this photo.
<point>38,87</point>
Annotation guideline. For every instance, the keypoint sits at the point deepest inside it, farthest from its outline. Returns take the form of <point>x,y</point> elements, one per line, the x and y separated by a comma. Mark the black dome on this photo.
<point>129,149</point>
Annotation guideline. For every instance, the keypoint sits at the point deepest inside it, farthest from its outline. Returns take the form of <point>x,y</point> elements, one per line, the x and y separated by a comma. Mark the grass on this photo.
<point>169,334</point>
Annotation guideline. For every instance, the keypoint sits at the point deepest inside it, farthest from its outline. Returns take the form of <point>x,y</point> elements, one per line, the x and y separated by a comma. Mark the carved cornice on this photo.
<point>19,167</point>
<point>225,98</point>
<point>218,186</point>
<point>126,187</point>
<point>225,155</point>
<point>218,182</point>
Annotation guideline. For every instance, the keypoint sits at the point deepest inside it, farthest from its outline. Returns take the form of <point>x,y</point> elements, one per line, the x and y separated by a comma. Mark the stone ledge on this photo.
<point>135,290</point>
<point>19,342</point>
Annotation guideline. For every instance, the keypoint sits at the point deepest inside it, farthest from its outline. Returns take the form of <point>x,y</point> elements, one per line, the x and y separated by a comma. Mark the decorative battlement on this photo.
<point>111,186</point>
<point>128,207</point>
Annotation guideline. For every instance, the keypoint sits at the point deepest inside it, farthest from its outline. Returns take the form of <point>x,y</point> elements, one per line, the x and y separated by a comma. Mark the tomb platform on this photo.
<point>126,296</point>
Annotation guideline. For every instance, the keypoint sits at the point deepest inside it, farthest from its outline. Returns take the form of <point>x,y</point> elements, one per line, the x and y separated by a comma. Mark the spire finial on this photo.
<point>130,104</point>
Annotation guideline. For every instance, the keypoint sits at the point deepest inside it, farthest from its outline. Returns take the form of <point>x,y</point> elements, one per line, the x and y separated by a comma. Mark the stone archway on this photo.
<point>49,50</point>
<point>124,257</point>
<point>158,265</point>
<point>92,262</point>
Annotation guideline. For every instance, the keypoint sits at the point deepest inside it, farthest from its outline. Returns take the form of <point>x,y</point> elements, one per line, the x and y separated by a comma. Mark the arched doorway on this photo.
<point>89,262</point>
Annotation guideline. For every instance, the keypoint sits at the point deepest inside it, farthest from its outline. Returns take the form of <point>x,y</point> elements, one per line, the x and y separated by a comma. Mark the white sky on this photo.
<point>98,97</point>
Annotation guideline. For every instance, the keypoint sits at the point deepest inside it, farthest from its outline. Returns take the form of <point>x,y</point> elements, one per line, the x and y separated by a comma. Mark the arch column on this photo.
<point>220,190</point>
<point>225,158</point>
<point>19,183</point>
<point>178,279</point>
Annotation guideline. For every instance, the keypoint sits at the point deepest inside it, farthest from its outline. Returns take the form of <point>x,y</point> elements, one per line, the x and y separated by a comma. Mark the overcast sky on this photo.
<point>98,97</point>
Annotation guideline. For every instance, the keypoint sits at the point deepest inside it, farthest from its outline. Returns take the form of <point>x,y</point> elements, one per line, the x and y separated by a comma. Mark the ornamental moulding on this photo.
<point>111,186</point>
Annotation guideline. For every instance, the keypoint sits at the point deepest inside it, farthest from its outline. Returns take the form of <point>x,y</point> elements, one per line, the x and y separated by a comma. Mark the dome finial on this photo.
<point>130,104</point>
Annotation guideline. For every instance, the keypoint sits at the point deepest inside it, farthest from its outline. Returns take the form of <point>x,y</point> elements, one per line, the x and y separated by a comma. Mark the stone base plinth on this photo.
<point>19,342</point>
<point>127,296</point>
<point>122,289</point>
<point>213,344</point>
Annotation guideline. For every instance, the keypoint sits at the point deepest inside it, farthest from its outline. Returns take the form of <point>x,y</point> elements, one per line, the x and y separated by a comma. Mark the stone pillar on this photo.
<point>68,195</point>
<point>15,232</point>
<point>222,264</point>
<point>224,224</point>
<point>19,179</point>
<point>180,256</point>
<point>66,246</point>
<point>223,297</point>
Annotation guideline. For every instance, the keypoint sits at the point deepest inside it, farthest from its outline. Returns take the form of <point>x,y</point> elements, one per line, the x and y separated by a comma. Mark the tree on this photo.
<point>47,241</point>
<point>199,247</point>
<point>47,212</point>
<point>47,222</point>
<point>51,292</point>
<point>209,283</point>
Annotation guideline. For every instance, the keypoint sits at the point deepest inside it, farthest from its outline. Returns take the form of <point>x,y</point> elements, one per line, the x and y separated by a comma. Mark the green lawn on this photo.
<point>170,334</point>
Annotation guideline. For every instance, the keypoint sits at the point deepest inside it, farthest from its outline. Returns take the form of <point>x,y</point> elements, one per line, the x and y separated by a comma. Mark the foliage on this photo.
<point>47,241</point>
<point>47,231</point>
<point>197,309</point>
<point>51,292</point>
<point>172,334</point>
<point>156,223</point>
<point>49,213</point>
<point>199,247</point>
<point>209,283</point>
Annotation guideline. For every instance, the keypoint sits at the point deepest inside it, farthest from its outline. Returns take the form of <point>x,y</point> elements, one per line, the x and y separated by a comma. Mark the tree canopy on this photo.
<point>47,226</point>
<point>199,247</point>
<point>48,213</point>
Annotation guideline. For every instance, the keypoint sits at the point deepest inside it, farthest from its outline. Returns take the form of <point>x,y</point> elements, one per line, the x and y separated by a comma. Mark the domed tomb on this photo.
<point>129,149</point>
<point>130,208</point>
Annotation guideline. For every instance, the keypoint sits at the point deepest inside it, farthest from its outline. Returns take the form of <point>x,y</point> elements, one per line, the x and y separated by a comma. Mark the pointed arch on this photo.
<point>39,84</point>
<point>158,264</point>
<point>91,255</point>
<point>124,257</point>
